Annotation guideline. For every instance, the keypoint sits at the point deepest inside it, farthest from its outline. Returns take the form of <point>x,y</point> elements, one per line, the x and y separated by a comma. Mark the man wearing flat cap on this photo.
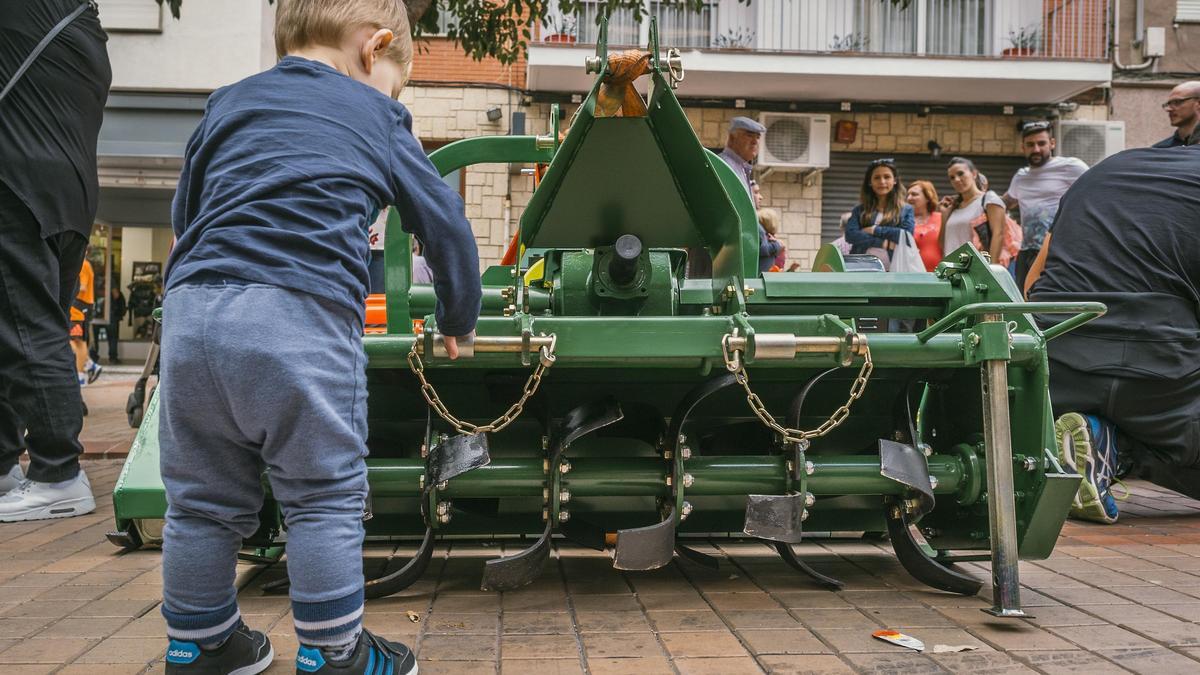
<point>741,148</point>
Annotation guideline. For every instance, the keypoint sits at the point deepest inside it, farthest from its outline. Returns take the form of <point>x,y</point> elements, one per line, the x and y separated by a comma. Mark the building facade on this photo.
<point>919,83</point>
<point>1145,70</point>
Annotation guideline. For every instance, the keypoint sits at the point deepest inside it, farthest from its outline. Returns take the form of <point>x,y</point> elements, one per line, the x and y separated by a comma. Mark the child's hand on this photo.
<point>451,343</point>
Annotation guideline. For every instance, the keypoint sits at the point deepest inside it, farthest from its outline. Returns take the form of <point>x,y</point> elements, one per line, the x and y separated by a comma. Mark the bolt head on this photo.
<point>688,480</point>
<point>810,468</point>
<point>564,468</point>
<point>444,518</point>
<point>443,485</point>
<point>933,482</point>
<point>685,452</point>
<point>809,499</point>
<point>564,496</point>
<point>564,516</point>
<point>804,515</point>
<point>443,508</point>
<point>1031,464</point>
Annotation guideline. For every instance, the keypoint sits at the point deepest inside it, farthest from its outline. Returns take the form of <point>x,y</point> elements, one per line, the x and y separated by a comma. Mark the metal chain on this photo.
<point>545,360</point>
<point>733,363</point>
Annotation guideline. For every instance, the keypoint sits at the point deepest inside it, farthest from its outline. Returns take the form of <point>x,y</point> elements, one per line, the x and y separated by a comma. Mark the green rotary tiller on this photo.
<point>641,406</point>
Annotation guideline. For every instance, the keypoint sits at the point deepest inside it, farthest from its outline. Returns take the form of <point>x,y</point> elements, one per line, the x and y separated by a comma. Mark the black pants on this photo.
<point>39,392</point>
<point>113,336</point>
<point>1157,420</point>
<point>1024,261</point>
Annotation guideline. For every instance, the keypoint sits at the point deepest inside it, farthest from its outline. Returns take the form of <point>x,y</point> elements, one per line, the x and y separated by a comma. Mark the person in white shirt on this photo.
<point>966,209</point>
<point>1037,189</point>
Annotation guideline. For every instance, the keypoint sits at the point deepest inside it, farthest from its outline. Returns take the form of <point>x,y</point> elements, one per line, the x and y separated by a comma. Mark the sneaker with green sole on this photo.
<point>1088,446</point>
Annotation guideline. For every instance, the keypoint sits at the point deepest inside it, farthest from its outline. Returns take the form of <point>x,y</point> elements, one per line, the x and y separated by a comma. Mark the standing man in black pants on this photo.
<point>1127,385</point>
<point>49,122</point>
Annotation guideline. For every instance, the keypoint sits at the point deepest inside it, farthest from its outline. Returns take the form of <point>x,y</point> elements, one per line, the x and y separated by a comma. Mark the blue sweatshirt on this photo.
<point>283,176</point>
<point>886,231</point>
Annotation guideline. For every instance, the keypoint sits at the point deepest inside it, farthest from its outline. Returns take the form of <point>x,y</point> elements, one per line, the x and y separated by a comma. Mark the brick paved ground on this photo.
<point>1110,599</point>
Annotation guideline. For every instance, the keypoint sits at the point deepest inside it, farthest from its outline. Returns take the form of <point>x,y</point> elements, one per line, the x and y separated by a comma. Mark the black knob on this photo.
<point>622,267</point>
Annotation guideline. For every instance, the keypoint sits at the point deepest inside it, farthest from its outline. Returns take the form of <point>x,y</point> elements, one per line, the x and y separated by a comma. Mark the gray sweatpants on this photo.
<point>257,377</point>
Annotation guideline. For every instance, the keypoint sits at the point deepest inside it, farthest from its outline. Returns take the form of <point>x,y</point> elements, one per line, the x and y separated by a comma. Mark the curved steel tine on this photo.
<point>646,548</point>
<point>404,577</point>
<point>797,563</point>
<point>917,563</point>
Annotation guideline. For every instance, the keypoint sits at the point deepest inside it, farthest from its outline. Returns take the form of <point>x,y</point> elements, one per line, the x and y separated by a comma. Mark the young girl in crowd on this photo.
<point>923,198</point>
<point>770,219</point>
<point>971,202</point>
<point>876,224</point>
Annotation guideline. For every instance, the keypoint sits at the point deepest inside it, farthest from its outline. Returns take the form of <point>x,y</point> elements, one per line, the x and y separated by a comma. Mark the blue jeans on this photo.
<point>257,377</point>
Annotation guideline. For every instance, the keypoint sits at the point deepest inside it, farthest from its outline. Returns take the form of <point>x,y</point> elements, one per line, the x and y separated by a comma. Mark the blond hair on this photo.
<point>300,23</point>
<point>769,219</point>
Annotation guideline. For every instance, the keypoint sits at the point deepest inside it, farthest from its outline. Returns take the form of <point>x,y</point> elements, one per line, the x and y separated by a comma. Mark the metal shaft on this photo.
<point>997,438</point>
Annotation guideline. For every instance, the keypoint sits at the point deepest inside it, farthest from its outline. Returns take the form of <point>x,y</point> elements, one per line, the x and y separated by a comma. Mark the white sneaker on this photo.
<point>12,479</point>
<point>32,500</point>
<point>93,371</point>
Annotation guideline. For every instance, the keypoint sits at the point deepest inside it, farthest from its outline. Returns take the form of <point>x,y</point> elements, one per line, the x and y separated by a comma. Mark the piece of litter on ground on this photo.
<point>899,639</point>
<point>952,649</point>
<point>413,616</point>
<point>733,576</point>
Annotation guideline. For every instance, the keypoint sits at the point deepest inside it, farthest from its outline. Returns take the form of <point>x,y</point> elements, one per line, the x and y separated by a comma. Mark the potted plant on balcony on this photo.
<point>850,42</point>
<point>742,39</point>
<point>1025,41</point>
<point>563,29</point>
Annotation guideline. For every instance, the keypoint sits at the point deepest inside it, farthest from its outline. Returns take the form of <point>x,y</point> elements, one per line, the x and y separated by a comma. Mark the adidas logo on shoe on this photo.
<point>307,661</point>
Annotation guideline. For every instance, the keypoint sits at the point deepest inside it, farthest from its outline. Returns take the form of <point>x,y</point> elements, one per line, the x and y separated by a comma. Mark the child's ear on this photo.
<point>374,47</point>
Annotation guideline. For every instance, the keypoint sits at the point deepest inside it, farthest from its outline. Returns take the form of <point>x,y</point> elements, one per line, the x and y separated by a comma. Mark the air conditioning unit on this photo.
<point>1090,141</point>
<point>794,141</point>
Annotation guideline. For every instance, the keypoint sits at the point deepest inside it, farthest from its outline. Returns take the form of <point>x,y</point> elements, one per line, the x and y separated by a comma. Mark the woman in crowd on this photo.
<point>923,198</point>
<point>876,224</point>
<point>961,212</point>
<point>770,219</point>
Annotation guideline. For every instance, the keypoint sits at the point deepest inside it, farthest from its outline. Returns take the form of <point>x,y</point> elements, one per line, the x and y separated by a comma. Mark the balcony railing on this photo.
<point>1040,29</point>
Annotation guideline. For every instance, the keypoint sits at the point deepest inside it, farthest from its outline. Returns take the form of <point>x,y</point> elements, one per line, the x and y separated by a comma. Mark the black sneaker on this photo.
<point>246,652</point>
<point>373,655</point>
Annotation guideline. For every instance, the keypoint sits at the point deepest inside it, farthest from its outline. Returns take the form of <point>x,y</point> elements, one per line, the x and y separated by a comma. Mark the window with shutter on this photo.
<point>1187,10</point>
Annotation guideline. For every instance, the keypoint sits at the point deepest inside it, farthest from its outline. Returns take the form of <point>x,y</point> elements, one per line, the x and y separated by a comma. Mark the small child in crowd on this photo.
<point>262,361</point>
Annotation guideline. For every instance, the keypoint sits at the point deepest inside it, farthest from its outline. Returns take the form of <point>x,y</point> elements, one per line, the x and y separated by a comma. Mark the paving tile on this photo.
<point>22,627</point>
<point>677,601</point>
<point>539,647</point>
<point>981,663</point>
<point>110,668</point>
<point>623,645</point>
<point>702,644</point>
<point>532,602</point>
<point>449,668</point>
<point>742,601</point>
<point>536,622</point>
<point>686,620</point>
<point>612,603</point>
<point>611,622</point>
<point>1102,637</point>
<point>456,648</point>
<point>811,600</point>
<point>717,666</point>
<point>836,618</point>
<point>46,650</point>
<point>461,623</point>
<point>82,627</point>
<point>636,666</point>
<point>907,617</point>
<point>1064,662</point>
<point>49,609</point>
<point>795,641</point>
<point>475,604</point>
<point>1153,661</point>
<point>805,665</point>
<point>1069,616</point>
<point>775,619</point>
<point>125,650</point>
<point>541,666</point>
<point>895,663</point>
